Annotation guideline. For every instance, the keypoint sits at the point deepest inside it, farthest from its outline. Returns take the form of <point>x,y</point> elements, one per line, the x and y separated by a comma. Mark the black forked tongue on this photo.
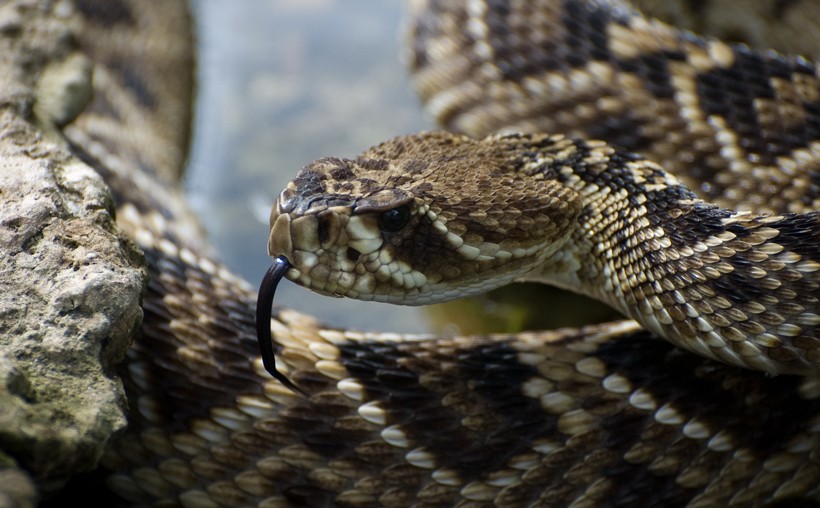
<point>267,290</point>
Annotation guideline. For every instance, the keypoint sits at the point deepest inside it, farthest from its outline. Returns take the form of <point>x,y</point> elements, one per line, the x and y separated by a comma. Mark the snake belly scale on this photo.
<point>605,415</point>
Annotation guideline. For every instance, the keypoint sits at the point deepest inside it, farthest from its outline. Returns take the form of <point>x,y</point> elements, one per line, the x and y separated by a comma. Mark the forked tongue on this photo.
<point>264,302</point>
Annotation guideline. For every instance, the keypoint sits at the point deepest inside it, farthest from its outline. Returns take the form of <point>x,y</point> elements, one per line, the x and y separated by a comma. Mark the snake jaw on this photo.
<point>333,239</point>
<point>404,222</point>
<point>337,253</point>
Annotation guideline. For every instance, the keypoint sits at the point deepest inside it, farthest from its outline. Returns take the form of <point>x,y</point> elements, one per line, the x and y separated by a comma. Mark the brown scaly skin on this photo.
<point>601,415</point>
<point>737,126</point>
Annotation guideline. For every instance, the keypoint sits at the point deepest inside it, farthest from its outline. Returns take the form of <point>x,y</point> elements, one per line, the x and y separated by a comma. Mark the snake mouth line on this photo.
<point>264,303</point>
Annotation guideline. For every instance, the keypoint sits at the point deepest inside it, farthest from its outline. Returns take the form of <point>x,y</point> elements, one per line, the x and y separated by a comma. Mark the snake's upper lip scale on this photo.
<point>267,290</point>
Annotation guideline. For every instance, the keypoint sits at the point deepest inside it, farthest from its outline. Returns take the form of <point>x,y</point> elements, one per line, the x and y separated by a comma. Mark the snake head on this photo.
<point>419,219</point>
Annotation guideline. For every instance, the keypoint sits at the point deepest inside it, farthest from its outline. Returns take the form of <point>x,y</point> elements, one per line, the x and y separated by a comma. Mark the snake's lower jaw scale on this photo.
<point>280,242</point>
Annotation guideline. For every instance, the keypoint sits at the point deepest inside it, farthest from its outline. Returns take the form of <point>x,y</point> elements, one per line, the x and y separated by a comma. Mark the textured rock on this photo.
<point>70,283</point>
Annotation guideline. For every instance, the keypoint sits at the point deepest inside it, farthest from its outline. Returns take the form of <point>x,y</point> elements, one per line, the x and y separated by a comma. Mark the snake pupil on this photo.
<point>394,220</point>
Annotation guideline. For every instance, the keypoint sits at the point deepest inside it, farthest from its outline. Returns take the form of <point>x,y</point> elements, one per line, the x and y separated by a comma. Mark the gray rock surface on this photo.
<point>70,282</point>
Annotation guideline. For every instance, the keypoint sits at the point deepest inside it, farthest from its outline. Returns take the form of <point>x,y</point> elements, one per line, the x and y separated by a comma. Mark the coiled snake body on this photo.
<point>604,415</point>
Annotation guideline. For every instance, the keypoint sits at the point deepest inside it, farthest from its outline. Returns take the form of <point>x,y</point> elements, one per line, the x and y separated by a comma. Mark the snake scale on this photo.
<point>605,415</point>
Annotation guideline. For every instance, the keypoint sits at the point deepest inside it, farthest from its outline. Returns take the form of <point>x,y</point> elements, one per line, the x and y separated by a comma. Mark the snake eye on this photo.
<point>393,220</point>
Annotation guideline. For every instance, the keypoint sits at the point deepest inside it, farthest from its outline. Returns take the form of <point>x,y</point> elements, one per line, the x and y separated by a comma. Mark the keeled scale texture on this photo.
<point>739,127</point>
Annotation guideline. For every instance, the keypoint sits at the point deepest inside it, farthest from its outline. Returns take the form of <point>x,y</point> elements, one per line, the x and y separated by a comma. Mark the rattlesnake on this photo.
<point>433,217</point>
<point>603,415</point>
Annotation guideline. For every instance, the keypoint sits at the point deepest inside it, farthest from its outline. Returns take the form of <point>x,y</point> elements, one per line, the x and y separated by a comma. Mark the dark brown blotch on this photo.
<point>342,173</point>
<point>489,375</point>
<point>106,12</point>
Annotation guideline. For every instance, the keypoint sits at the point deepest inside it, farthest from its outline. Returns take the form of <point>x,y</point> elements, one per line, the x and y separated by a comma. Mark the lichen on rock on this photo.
<point>70,282</point>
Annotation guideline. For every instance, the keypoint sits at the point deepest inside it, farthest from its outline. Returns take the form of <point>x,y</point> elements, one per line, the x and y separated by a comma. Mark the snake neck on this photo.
<point>625,203</point>
<point>711,280</point>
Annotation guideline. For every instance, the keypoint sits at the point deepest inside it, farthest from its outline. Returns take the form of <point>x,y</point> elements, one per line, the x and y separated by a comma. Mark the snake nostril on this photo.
<point>323,229</point>
<point>353,254</point>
